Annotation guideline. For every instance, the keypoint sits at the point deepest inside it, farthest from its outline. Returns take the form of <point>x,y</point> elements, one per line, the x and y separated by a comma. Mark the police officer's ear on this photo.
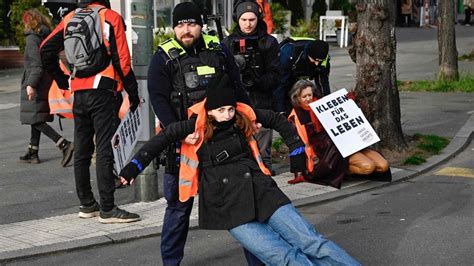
<point>236,13</point>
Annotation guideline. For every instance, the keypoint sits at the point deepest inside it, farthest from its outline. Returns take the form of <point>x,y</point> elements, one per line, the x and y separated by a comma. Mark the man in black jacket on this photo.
<point>256,53</point>
<point>177,78</point>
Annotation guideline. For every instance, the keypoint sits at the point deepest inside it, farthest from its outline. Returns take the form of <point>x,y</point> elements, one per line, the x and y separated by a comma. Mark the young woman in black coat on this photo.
<point>236,190</point>
<point>35,84</point>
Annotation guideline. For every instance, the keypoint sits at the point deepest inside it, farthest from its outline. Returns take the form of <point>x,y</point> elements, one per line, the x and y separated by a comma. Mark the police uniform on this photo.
<point>178,77</point>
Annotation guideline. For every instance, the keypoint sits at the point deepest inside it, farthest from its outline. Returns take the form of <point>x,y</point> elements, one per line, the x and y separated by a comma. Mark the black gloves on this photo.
<point>129,172</point>
<point>62,80</point>
<point>134,102</point>
<point>298,163</point>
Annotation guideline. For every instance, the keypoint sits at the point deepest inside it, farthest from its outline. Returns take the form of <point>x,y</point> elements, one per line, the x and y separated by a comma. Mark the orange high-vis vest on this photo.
<point>188,169</point>
<point>60,101</point>
<point>109,72</point>
<point>310,153</point>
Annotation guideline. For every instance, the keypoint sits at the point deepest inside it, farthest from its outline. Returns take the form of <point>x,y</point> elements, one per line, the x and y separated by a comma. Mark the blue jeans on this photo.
<point>176,225</point>
<point>288,239</point>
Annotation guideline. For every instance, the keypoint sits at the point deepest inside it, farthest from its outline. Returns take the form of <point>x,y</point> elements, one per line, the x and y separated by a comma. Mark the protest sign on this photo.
<point>344,122</point>
<point>126,137</point>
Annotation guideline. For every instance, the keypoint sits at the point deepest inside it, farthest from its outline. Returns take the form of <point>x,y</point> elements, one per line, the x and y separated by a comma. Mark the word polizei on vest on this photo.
<point>340,115</point>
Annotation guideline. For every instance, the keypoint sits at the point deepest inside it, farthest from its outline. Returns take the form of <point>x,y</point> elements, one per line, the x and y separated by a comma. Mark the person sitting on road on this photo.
<point>236,190</point>
<point>331,167</point>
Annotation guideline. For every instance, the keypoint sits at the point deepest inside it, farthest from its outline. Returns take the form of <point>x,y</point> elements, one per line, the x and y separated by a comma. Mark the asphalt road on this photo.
<point>423,221</point>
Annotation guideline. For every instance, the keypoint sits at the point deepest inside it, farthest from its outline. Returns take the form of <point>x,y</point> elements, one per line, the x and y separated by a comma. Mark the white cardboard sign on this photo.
<point>126,137</point>
<point>344,122</point>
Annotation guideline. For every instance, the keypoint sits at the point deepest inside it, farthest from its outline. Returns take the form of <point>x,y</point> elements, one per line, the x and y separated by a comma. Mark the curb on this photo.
<point>460,141</point>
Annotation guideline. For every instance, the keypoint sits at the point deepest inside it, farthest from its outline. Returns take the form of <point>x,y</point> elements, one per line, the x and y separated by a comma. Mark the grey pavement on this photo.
<point>446,114</point>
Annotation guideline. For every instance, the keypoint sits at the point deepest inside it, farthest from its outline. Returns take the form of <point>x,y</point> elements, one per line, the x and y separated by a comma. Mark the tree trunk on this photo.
<point>376,89</point>
<point>448,55</point>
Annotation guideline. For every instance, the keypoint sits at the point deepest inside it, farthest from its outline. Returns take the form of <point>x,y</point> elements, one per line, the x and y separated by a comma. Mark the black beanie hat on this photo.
<point>187,12</point>
<point>318,49</point>
<point>244,7</point>
<point>220,92</point>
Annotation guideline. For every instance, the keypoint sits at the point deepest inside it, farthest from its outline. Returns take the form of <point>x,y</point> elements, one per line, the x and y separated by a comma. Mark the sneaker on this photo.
<point>117,215</point>
<point>89,212</point>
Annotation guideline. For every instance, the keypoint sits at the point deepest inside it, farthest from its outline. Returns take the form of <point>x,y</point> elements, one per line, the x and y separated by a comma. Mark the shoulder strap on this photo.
<point>211,42</point>
<point>172,48</point>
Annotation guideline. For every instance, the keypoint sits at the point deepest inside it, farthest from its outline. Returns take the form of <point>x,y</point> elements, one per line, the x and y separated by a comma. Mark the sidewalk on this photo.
<point>68,232</point>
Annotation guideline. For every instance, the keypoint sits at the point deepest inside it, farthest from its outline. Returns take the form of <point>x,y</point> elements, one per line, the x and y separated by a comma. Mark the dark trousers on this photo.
<point>95,112</point>
<point>37,129</point>
<point>176,225</point>
<point>264,141</point>
<point>467,13</point>
<point>322,85</point>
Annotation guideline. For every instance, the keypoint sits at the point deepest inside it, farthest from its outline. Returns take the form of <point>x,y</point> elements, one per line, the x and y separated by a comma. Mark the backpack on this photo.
<point>84,45</point>
<point>297,60</point>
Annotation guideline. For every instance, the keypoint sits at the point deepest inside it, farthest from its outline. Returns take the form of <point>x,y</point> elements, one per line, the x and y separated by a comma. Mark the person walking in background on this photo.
<point>236,191</point>
<point>256,54</point>
<point>99,72</point>
<point>406,11</point>
<point>331,167</point>
<point>35,84</point>
<point>468,10</point>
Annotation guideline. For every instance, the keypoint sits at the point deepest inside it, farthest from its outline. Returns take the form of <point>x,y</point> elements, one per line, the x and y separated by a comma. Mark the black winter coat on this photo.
<point>232,191</point>
<point>267,74</point>
<point>37,110</point>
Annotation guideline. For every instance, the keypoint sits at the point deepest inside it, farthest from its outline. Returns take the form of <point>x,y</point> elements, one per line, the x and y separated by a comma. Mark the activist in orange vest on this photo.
<point>236,191</point>
<point>331,167</point>
<point>94,41</point>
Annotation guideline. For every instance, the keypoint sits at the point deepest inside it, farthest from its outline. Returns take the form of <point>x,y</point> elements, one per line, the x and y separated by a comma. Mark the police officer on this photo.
<point>177,78</point>
<point>302,57</point>
<point>256,53</point>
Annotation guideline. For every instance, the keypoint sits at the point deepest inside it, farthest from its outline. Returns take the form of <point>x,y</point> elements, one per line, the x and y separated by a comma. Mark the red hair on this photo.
<point>33,19</point>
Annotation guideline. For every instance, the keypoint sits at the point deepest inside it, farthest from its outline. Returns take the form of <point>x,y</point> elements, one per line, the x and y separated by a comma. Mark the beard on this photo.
<point>189,42</point>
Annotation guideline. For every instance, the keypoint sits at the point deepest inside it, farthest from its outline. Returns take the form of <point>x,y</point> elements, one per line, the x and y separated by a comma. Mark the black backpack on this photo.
<point>84,46</point>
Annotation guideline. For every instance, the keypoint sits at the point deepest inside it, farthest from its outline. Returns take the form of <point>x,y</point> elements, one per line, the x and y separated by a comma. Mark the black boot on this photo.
<point>67,148</point>
<point>31,155</point>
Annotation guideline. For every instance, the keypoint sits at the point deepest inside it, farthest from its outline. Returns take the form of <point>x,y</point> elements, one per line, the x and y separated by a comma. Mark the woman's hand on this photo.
<point>192,138</point>
<point>30,91</point>
<point>129,173</point>
<point>256,127</point>
<point>125,182</point>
